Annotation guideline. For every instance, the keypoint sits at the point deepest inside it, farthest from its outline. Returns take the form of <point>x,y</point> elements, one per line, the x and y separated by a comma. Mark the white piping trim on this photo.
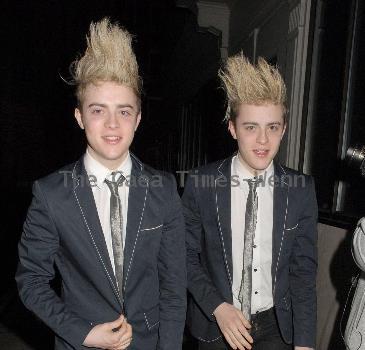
<point>292,228</point>
<point>209,341</point>
<point>135,241</point>
<point>152,228</point>
<point>92,237</point>
<point>148,324</point>
<point>281,243</point>
<point>220,228</point>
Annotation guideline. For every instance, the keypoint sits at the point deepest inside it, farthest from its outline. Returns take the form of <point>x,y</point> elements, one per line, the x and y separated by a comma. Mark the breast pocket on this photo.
<point>290,230</point>
<point>151,229</point>
<point>291,221</point>
<point>291,227</point>
<point>149,241</point>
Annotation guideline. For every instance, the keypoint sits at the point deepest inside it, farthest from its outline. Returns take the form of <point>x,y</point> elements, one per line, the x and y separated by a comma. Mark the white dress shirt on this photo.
<point>97,174</point>
<point>262,298</point>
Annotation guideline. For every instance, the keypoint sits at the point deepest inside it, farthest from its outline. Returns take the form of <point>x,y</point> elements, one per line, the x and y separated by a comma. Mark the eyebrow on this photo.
<point>255,123</point>
<point>105,106</point>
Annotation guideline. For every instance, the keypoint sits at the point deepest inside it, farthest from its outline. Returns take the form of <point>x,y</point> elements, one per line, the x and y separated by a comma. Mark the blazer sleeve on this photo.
<point>303,270</point>
<point>200,284</point>
<point>38,248</point>
<point>172,274</point>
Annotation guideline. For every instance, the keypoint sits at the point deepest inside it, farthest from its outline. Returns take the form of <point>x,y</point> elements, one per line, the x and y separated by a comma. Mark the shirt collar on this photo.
<point>243,173</point>
<point>99,172</point>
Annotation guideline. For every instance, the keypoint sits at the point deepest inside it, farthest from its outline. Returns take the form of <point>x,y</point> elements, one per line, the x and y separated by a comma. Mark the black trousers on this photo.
<point>265,333</point>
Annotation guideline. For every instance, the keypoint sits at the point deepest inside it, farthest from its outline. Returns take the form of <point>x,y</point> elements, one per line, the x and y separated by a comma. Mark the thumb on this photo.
<point>115,325</point>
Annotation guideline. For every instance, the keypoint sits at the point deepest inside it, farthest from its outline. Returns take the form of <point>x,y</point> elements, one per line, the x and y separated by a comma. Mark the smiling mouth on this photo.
<point>112,140</point>
<point>261,153</point>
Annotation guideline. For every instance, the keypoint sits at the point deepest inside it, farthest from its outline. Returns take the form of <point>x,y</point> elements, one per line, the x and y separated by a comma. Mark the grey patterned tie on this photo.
<point>116,226</point>
<point>250,226</point>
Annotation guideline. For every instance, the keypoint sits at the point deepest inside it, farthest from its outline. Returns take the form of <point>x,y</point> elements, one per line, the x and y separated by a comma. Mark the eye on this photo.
<point>124,113</point>
<point>250,127</point>
<point>274,127</point>
<point>96,111</point>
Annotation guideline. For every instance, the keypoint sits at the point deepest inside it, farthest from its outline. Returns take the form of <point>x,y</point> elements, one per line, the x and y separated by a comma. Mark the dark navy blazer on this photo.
<point>207,203</point>
<point>62,229</point>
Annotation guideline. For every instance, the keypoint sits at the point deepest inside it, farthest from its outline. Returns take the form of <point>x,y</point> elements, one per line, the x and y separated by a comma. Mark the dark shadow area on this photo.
<point>20,329</point>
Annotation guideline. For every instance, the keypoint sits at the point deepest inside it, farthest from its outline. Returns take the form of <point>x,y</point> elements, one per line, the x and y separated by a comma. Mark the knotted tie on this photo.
<point>250,226</point>
<point>116,225</point>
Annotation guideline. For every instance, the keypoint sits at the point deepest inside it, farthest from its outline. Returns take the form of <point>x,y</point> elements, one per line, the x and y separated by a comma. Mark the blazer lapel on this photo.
<point>86,203</point>
<point>223,209</point>
<point>281,192</point>
<point>138,191</point>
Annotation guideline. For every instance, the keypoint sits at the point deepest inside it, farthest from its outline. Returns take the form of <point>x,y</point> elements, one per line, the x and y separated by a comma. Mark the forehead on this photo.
<point>263,113</point>
<point>109,92</point>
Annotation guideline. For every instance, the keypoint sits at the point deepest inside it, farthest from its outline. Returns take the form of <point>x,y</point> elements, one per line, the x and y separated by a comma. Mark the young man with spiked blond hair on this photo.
<point>111,225</point>
<point>251,237</point>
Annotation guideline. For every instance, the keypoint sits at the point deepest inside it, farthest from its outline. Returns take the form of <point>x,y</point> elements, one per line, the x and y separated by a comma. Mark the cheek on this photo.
<point>276,139</point>
<point>92,127</point>
<point>244,143</point>
<point>246,137</point>
<point>129,126</point>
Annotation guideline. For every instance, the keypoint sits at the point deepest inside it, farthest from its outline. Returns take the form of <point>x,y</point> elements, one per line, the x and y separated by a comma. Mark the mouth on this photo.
<point>111,140</point>
<point>261,153</point>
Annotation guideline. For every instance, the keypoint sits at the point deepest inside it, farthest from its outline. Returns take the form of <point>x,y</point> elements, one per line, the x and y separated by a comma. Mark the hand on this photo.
<point>302,348</point>
<point>234,326</point>
<point>116,335</point>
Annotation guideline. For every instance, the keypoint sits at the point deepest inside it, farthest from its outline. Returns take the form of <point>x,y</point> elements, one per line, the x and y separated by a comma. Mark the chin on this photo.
<point>114,155</point>
<point>260,167</point>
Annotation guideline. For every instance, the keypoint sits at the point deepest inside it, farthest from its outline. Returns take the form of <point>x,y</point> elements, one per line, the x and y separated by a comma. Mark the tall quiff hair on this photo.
<point>246,83</point>
<point>108,57</point>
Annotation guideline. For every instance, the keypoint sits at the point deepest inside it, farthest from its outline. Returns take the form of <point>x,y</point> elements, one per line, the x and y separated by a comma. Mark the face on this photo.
<point>110,116</point>
<point>258,130</point>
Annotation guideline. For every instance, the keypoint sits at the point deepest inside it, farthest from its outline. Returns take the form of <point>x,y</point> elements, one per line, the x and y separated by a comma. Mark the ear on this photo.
<point>78,117</point>
<point>139,116</point>
<point>232,129</point>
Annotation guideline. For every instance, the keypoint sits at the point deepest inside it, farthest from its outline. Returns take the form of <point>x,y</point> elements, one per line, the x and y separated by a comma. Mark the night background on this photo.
<point>182,112</point>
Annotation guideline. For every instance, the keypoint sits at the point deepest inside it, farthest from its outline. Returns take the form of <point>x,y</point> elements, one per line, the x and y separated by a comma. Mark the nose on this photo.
<point>262,136</point>
<point>112,121</point>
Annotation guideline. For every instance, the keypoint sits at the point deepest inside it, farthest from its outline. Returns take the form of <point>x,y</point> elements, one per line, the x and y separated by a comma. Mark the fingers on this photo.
<point>229,340</point>
<point>239,340</point>
<point>123,327</point>
<point>234,326</point>
<point>246,323</point>
<point>124,337</point>
<point>126,343</point>
<point>122,345</point>
<point>245,333</point>
<point>117,324</point>
<point>127,334</point>
<point>244,327</point>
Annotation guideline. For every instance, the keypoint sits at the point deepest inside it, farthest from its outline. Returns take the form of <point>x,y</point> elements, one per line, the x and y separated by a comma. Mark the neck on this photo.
<point>252,171</point>
<point>111,164</point>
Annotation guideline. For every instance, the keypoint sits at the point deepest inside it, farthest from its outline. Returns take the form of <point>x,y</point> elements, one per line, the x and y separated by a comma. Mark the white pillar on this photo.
<point>297,44</point>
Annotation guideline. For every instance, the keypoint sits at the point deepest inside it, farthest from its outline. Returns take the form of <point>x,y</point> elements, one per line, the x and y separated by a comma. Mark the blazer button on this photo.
<point>254,246</point>
<point>255,270</point>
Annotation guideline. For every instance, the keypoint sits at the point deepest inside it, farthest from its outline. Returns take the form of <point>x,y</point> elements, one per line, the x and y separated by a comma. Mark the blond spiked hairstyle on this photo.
<point>108,57</point>
<point>246,83</point>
